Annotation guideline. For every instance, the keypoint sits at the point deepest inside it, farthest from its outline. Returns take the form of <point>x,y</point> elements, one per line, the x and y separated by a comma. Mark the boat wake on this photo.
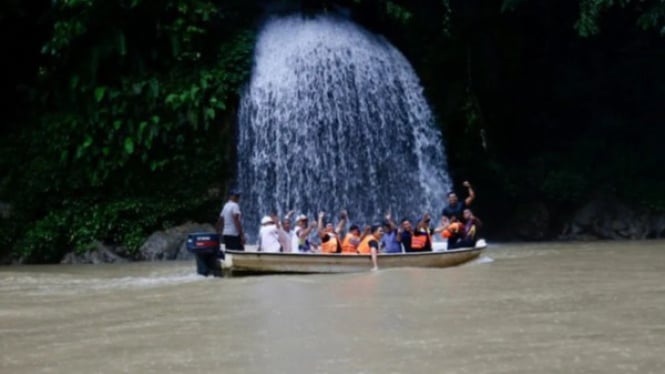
<point>484,259</point>
<point>70,284</point>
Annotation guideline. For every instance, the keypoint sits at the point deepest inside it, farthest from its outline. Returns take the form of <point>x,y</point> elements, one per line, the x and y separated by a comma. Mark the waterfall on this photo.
<point>335,117</point>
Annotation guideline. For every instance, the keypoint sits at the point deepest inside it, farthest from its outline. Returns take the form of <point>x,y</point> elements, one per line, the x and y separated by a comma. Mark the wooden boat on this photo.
<point>303,263</point>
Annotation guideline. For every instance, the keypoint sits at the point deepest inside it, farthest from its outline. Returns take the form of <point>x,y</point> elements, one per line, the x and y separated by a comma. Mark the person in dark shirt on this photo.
<point>456,207</point>
<point>404,233</point>
<point>418,239</point>
<point>469,234</point>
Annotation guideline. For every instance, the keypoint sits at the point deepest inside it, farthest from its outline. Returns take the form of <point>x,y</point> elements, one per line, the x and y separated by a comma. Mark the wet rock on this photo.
<point>606,217</point>
<point>657,226</point>
<point>99,254</point>
<point>170,244</point>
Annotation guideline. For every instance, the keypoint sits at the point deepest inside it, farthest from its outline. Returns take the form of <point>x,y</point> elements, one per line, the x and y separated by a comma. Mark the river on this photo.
<point>522,308</point>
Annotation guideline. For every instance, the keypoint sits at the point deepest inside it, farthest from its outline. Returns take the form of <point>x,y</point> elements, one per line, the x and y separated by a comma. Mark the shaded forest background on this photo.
<point>118,115</point>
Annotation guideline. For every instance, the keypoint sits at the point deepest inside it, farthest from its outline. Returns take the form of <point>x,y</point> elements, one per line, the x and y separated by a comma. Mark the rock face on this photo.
<point>100,254</point>
<point>608,218</point>
<point>170,244</point>
<point>532,221</point>
<point>5,210</point>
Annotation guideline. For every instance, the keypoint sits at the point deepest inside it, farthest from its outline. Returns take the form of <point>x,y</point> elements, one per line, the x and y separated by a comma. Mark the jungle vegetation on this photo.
<point>119,114</point>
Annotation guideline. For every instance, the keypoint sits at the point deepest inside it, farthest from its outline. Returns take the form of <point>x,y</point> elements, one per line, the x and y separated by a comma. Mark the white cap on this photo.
<point>301,217</point>
<point>266,219</point>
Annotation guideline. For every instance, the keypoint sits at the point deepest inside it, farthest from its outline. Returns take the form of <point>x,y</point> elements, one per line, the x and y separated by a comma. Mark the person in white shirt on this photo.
<point>269,236</point>
<point>229,225</point>
<point>302,231</point>
<point>285,233</point>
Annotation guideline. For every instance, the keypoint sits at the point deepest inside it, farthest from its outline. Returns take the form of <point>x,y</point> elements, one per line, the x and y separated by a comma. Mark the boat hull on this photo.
<point>261,262</point>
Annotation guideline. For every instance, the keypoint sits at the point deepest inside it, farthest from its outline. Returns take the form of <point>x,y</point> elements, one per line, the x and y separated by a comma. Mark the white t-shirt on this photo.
<point>295,241</point>
<point>230,209</point>
<point>285,240</point>
<point>269,239</point>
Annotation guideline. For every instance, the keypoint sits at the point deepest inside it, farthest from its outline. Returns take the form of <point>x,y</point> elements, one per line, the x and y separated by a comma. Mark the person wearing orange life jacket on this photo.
<point>330,242</point>
<point>469,234</point>
<point>451,230</point>
<point>351,241</point>
<point>421,238</point>
<point>370,245</point>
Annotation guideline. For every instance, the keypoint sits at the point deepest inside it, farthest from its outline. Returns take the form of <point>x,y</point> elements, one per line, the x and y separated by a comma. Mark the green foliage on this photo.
<point>651,13</point>
<point>45,240</point>
<point>79,223</point>
<point>398,12</point>
<point>134,99</point>
<point>129,121</point>
<point>510,5</point>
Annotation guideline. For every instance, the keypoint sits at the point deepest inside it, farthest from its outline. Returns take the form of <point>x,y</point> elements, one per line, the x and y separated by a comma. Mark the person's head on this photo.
<point>286,224</point>
<point>406,224</point>
<point>377,231</point>
<point>302,221</point>
<point>468,214</point>
<point>329,227</point>
<point>234,195</point>
<point>387,227</point>
<point>266,220</point>
<point>452,198</point>
<point>355,230</point>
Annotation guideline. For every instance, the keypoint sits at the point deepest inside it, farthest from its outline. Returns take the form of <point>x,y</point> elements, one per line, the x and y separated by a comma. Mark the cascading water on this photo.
<point>334,117</point>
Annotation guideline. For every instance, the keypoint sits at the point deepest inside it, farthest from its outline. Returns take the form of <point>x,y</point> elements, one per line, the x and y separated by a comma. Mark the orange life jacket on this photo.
<point>420,241</point>
<point>452,229</point>
<point>331,245</point>
<point>350,244</point>
<point>363,247</point>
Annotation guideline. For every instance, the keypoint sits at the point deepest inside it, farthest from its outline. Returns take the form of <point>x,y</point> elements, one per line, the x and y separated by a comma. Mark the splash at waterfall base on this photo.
<point>334,118</point>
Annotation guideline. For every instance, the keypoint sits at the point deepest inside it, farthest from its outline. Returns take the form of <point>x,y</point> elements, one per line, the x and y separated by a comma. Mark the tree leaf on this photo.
<point>99,93</point>
<point>129,145</point>
<point>87,142</point>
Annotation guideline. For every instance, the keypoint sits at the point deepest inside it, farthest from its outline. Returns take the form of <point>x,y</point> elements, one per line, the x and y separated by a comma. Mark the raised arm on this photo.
<point>276,220</point>
<point>424,220</point>
<point>445,222</point>
<point>342,222</point>
<point>391,223</point>
<point>304,233</point>
<point>320,226</point>
<point>471,193</point>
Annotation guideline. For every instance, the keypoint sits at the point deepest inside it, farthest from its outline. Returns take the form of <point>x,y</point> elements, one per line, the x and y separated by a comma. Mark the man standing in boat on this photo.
<point>229,224</point>
<point>456,207</point>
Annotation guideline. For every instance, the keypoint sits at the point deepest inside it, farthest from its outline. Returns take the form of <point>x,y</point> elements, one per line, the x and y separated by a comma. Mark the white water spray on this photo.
<point>335,117</point>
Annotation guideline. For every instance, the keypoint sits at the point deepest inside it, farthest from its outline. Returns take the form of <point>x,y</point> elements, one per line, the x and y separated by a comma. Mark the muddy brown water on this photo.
<point>522,308</point>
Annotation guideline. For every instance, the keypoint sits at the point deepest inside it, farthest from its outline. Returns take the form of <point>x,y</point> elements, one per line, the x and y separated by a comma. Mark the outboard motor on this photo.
<point>205,248</point>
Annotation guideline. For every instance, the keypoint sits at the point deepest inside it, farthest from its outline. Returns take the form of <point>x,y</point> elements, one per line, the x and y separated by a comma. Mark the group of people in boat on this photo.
<point>458,226</point>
